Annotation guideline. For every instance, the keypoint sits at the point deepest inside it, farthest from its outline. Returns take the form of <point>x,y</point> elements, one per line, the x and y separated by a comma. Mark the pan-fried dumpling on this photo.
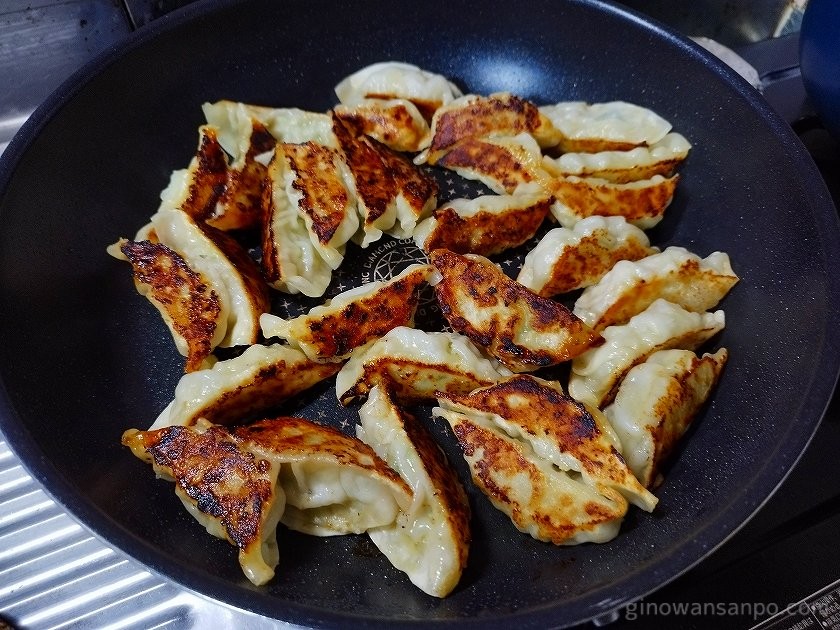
<point>500,163</point>
<point>392,193</point>
<point>486,225</point>
<point>621,167</point>
<point>429,541</point>
<point>521,329</point>
<point>655,404</point>
<point>197,188</point>
<point>221,484</point>
<point>642,203</point>
<point>191,309</point>
<point>476,117</point>
<point>676,274</point>
<point>566,259</point>
<point>233,390</point>
<point>558,428</point>
<point>550,502</point>
<point>351,319</point>
<point>396,123</point>
<point>417,364</point>
<point>206,286</point>
<point>221,259</point>
<point>612,126</point>
<point>310,217</point>
<point>391,79</point>
<point>286,124</point>
<point>662,326</point>
<point>239,482</point>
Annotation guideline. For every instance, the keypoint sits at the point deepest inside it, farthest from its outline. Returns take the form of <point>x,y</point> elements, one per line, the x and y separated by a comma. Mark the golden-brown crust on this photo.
<point>391,123</point>
<point>208,172</point>
<point>486,233</point>
<point>506,165</point>
<point>366,319</point>
<point>324,197</point>
<point>588,197</point>
<point>498,114</point>
<point>222,479</point>
<point>240,204</point>
<point>473,287</point>
<point>189,305</point>
<point>587,262</point>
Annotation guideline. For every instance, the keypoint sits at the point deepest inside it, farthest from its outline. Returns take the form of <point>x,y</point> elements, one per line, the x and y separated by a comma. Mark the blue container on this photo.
<point>819,51</point>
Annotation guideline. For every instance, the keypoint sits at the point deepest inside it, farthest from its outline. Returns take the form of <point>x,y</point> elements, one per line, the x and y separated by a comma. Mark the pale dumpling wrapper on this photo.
<point>232,390</point>
<point>393,79</point>
<point>656,403</point>
<point>286,124</point>
<point>597,372</point>
<point>621,167</point>
<point>330,332</point>
<point>613,125</point>
<point>675,274</point>
<point>566,259</point>
<point>429,541</point>
<point>418,364</point>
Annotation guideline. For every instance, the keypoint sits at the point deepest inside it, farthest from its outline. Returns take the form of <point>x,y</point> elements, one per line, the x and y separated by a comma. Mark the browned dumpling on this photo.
<point>544,459</point>
<point>185,299</point>
<point>392,193</point>
<point>329,333</point>
<point>472,116</point>
<point>239,483</point>
<point>521,329</point>
<point>486,225</point>
<point>396,123</point>
<point>234,390</point>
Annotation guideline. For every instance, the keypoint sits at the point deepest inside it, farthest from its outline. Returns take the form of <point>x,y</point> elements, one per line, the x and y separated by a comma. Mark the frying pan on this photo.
<point>83,357</point>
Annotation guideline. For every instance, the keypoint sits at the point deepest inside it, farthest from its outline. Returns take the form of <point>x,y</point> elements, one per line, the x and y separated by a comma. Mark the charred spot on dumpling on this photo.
<point>208,173</point>
<point>185,299</point>
<point>518,327</point>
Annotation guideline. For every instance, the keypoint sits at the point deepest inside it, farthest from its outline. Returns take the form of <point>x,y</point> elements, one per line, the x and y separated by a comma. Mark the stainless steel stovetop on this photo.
<point>55,574</point>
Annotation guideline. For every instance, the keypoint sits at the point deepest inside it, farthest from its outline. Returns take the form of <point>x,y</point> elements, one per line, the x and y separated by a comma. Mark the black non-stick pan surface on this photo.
<point>83,356</point>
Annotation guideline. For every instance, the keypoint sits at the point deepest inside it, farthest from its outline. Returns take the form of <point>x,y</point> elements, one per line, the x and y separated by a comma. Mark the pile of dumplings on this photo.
<point>563,460</point>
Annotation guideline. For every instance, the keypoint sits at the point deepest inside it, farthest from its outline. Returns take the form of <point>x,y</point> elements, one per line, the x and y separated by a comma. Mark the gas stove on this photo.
<point>780,571</point>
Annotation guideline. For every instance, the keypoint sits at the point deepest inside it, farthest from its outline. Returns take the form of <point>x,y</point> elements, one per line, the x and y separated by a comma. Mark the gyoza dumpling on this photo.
<point>521,329</point>
<point>662,326</point>
<point>351,319</point>
<point>642,203</point>
<point>232,494</point>
<point>310,216</point>
<point>232,272</point>
<point>192,310</point>
<point>418,364</point>
<point>558,428</point>
<point>396,123</point>
<point>249,144</point>
<point>566,259</point>
<point>392,79</point>
<point>286,124</point>
<point>676,274</point>
<point>197,188</point>
<point>239,482</point>
<point>655,404</point>
<point>429,541</point>
<point>392,193</point>
<point>621,167</point>
<point>231,391</point>
<point>486,225</point>
<point>500,163</point>
<point>476,117</point>
<point>612,126</point>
